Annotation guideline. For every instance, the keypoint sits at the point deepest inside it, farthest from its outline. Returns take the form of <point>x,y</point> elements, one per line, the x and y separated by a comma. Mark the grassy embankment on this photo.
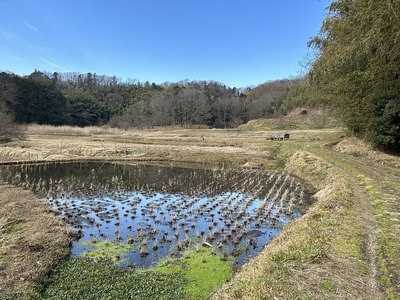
<point>327,254</point>
<point>32,242</point>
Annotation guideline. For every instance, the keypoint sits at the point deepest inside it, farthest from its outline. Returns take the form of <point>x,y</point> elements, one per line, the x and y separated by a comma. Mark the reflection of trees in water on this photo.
<point>107,176</point>
<point>165,209</point>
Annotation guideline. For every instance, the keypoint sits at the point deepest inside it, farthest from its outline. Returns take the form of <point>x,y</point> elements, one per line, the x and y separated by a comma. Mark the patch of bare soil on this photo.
<point>32,241</point>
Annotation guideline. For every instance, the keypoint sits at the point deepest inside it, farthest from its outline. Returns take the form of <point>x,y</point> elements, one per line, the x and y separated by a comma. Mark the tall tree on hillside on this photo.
<point>163,106</point>
<point>357,67</point>
<point>8,92</point>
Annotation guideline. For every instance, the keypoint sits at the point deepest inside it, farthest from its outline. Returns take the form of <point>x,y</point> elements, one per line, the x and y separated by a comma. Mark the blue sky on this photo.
<point>237,43</point>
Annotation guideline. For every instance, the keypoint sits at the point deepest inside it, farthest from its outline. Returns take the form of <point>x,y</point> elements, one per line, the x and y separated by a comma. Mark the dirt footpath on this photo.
<point>33,240</point>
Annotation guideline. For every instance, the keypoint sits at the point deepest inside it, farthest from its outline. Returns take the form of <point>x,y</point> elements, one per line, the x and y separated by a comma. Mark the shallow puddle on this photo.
<point>137,213</point>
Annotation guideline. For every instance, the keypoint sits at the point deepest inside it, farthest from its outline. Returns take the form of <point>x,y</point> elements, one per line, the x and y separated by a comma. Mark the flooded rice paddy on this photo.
<point>154,211</point>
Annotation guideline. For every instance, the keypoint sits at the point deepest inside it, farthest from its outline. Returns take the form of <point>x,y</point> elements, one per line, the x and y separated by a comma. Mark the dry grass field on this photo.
<point>345,247</point>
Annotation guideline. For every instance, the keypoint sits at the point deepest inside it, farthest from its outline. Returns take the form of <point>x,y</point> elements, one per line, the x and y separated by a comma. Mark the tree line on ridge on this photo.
<point>354,72</point>
<point>91,99</point>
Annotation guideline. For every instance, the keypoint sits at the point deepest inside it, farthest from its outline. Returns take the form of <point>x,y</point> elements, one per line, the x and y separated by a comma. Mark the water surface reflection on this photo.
<point>163,210</point>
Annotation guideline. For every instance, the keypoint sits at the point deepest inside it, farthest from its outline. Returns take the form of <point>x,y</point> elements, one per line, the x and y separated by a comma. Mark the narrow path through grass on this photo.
<point>345,247</point>
<point>378,190</point>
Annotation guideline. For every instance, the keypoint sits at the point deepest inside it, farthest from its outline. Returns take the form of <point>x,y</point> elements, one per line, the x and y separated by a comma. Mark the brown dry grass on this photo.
<point>32,241</point>
<point>346,246</point>
<point>314,118</point>
<point>357,148</point>
<point>306,261</point>
<point>172,144</point>
<point>35,129</point>
<point>320,256</point>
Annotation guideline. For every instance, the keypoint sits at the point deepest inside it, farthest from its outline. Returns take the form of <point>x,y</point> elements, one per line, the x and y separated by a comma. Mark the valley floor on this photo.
<point>345,247</point>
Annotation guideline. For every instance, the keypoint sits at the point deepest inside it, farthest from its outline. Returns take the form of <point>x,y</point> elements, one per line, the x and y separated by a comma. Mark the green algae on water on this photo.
<point>204,269</point>
<point>106,251</point>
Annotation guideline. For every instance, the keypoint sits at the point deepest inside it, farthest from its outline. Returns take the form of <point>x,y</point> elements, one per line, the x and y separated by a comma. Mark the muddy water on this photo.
<point>164,210</point>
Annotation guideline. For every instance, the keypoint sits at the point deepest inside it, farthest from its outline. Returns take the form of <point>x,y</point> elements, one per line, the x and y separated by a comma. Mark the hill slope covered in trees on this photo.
<point>91,99</point>
<point>355,72</point>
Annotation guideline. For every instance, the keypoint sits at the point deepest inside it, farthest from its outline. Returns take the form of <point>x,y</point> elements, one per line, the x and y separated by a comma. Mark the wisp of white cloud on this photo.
<point>54,65</point>
<point>32,27</point>
<point>6,33</point>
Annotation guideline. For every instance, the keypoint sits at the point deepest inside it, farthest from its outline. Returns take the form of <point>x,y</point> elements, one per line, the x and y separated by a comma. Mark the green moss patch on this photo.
<point>106,251</point>
<point>193,276</point>
<point>84,279</point>
<point>204,269</point>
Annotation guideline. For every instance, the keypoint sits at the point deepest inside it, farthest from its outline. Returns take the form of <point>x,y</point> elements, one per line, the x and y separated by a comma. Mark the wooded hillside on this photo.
<point>91,99</point>
<point>355,72</point>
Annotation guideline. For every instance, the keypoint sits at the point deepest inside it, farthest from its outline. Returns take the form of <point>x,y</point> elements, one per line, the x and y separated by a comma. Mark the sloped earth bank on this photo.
<point>32,242</point>
<point>345,247</point>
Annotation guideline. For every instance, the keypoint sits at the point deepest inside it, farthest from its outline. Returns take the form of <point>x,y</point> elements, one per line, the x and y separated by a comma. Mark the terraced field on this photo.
<point>345,247</point>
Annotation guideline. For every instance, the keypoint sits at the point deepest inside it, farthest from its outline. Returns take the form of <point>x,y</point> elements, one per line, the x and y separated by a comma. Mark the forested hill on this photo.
<point>355,72</point>
<point>91,99</point>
